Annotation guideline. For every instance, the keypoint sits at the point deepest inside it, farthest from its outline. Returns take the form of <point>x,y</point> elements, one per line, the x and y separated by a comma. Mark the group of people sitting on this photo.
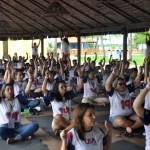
<point>58,81</point>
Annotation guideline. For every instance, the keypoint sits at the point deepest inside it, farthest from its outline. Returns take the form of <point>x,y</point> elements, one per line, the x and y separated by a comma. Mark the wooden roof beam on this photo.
<point>76,18</point>
<point>56,18</point>
<point>70,22</point>
<point>81,12</point>
<point>23,14</point>
<point>6,10</point>
<point>43,9</point>
<point>97,11</point>
<point>17,24</point>
<point>121,12</point>
<point>34,14</point>
<point>137,7</point>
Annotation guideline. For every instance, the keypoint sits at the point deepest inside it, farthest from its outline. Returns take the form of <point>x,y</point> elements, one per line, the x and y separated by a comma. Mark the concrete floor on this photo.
<point>54,144</point>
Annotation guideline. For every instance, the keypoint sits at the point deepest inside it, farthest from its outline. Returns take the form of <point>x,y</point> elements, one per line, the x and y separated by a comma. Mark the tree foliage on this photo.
<point>139,38</point>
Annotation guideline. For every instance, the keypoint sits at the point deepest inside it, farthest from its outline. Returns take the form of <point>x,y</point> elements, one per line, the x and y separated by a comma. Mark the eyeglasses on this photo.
<point>121,84</point>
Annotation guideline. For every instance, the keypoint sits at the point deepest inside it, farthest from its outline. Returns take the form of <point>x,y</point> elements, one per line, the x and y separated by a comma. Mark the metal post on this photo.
<point>42,46</point>
<point>79,50</point>
<point>125,35</point>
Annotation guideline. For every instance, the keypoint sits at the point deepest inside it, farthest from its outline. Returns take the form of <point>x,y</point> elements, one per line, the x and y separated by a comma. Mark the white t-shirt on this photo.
<point>65,47</point>
<point>19,87</point>
<point>50,86</point>
<point>147,127</point>
<point>93,139</point>
<point>34,51</point>
<point>63,108</point>
<point>120,103</point>
<point>8,109</point>
<point>89,87</point>
<point>147,51</point>
<point>135,93</point>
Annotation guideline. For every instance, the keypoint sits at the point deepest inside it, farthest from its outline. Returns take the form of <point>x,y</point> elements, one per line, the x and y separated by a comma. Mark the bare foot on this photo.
<point>29,138</point>
<point>11,140</point>
<point>129,130</point>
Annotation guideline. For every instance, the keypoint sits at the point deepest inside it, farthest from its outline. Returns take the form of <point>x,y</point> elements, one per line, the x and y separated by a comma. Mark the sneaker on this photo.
<point>31,111</point>
<point>36,112</point>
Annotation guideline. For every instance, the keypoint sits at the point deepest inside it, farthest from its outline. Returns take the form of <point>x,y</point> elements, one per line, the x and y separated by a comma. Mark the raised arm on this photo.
<point>135,64</point>
<point>61,70</point>
<point>7,75</point>
<point>85,57</point>
<point>26,57</point>
<point>28,86</point>
<point>109,81</point>
<point>138,102</point>
<point>32,44</point>
<point>95,57</point>
<point>146,70</point>
<point>104,61</point>
<point>137,80</point>
<point>36,69</point>
<point>68,63</point>
<point>101,67</point>
<point>45,82</point>
<point>110,59</point>
<point>38,43</point>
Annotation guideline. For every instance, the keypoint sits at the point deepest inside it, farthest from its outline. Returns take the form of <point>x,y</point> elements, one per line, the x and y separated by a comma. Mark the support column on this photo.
<point>125,36</point>
<point>42,46</point>
<point>79,49</point>
<point>5,47</point>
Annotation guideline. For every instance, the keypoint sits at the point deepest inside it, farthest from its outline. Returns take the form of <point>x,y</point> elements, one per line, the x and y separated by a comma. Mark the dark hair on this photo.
<point>3,90</point>
<point>55,91</point>
<point>134,70</point>
<point>77,118</point>
<point>66,40</point>
<point>90,70</point>
<point>2,71</point>
<point>116,81</point>
<point>20,70</point>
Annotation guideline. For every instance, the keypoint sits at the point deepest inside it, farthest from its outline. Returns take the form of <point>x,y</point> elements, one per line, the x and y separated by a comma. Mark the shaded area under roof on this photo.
<point>75,40</point>
<point>31,18</point>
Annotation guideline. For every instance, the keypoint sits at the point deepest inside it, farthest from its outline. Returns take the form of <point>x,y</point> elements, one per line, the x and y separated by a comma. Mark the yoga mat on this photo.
<point>125,145</point>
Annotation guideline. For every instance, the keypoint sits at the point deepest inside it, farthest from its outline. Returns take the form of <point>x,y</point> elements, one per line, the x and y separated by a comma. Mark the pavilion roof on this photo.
<point>30,18</point>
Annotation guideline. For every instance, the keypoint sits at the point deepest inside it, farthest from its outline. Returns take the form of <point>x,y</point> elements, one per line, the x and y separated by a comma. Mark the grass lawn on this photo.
<point>139,58</point>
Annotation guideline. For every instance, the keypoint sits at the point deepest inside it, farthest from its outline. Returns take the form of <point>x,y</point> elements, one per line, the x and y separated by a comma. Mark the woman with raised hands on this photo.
<point>121,113</point>
<point>11,129</point>
<point>60,98</point>
<point>84,135</point>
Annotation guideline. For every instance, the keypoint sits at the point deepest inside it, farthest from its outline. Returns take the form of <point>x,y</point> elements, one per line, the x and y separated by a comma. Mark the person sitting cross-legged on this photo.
<point>121,113</point>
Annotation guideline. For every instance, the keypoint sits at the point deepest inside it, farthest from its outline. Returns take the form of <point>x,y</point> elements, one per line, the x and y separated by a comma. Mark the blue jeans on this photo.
<point>21,130</point>
<point>25,103</point>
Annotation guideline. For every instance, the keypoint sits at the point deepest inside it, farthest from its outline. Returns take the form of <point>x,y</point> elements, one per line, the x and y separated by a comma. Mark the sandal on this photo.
<point>125,135</point>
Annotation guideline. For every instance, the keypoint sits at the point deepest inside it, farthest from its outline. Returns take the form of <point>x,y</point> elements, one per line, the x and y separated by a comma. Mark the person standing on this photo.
<point>35,49</point>
<point>65,46</point>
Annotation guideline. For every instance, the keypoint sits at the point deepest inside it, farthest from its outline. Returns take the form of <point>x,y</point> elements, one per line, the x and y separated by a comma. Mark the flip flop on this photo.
<point>125,135</point>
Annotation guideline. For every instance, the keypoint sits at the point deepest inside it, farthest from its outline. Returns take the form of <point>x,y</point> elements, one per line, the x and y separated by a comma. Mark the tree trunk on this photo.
<point>103,48</point>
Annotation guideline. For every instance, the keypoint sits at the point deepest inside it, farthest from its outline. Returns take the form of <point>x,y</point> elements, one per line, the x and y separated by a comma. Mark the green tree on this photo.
<point>139,38</point>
